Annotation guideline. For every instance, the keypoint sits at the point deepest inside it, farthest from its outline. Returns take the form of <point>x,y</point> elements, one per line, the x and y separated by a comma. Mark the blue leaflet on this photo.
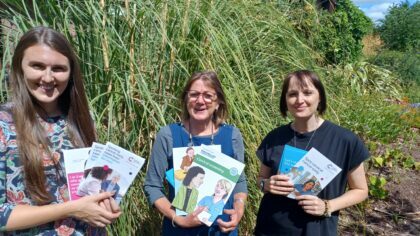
<point>289,158</point>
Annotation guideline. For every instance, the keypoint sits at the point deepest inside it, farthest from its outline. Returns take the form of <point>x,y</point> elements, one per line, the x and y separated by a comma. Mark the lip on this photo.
<point>300,108</point>
<point>46,87</point>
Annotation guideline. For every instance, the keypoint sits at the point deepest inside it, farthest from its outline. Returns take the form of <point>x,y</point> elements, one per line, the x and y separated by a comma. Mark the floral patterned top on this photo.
<point>12,187</point>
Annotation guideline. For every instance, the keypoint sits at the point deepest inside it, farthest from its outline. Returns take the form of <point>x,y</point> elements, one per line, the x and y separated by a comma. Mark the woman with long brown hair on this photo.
<point>48,112</point>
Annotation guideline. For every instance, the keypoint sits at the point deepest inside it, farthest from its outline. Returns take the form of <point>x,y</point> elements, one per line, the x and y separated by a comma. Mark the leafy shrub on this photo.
<point>406,65</point>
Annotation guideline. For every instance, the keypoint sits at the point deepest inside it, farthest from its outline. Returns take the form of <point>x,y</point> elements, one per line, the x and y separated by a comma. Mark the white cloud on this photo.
<point>378,11</point>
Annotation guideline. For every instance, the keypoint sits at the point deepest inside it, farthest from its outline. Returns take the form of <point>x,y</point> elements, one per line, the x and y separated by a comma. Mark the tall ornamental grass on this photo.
<point>136,56</point>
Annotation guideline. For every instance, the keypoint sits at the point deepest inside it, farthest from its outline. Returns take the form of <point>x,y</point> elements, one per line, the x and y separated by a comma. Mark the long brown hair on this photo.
<point>31,136</point>
<point>210,78</point>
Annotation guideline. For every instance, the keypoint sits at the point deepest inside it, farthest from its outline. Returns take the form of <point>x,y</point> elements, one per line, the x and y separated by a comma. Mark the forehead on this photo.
<point>297,84</point>
<point>202,85</point>
<point>45,54</point>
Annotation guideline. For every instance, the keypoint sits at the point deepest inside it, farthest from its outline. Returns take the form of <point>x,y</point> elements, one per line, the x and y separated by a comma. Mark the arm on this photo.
<point>240,192</point>
<point>188,221</point>
<point>153,185</point>
<point>358,191</point>
<point>86,209</point>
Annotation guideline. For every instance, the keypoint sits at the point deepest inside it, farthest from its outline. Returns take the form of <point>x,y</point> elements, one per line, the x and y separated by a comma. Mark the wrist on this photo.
<point>327,209</point>
<point>69,209</point>
<point>263,185</point>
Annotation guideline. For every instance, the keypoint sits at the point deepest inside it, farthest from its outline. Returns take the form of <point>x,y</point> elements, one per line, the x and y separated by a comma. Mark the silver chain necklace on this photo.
<point>191,143</point>
<point>310,139</point>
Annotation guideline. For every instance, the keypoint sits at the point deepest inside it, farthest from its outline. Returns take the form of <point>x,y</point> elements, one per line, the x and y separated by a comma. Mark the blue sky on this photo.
<point>376,9</point>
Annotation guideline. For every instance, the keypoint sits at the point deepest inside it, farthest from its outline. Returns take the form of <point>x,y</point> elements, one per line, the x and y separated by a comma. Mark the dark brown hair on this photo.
<point>303,77</point>
<point>31,137</point>
<point>210,78</point>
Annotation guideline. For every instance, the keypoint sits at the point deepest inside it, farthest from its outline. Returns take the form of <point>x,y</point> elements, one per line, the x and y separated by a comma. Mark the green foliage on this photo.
<point>406,65</point>
<point>377,187</point>
<point>400,29</point>
<point>337,35</point>
<point>137,57</point>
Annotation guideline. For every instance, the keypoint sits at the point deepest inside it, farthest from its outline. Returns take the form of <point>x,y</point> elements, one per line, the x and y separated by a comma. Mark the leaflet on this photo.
<point>182,160</point>
<point>289,158</point>
<point>74,162</point>
<point>208,184</point>
<point>95,152</point>
<point>312,173</point>
<point>114,170</point>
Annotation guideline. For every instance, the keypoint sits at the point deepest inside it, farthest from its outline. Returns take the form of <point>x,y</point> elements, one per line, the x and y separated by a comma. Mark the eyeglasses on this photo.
<point>208,97</point>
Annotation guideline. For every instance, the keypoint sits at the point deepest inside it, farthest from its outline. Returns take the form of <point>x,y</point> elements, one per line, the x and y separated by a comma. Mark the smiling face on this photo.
<point>190,153</point>
<point>202,101</point>
<point>47,74</point>
<point>302,99</point>
<point>308,186</point>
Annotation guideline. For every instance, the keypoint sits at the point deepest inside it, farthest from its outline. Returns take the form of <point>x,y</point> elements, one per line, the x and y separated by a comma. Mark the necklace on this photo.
<point>190,141</point>
<point>310,139</point>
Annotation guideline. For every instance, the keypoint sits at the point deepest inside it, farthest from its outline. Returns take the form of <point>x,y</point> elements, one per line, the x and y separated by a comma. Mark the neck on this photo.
<point>48,111</point>
<point>199,127</point>
<point>302,125</point>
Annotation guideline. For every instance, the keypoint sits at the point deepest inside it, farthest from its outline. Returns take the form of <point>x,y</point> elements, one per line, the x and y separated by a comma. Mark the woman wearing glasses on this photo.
<point>204,110</point>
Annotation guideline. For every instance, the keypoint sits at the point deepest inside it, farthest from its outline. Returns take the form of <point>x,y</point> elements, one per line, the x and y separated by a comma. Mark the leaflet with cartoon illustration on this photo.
<point>312,173</point>
<point>182,160</point>
<point>291,155</point>
<point>74,162</point>
<point>207,184</point>
<point>113,170</point>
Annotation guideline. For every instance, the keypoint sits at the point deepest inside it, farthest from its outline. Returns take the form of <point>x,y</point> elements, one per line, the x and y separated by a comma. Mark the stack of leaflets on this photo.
<point>100,168</point>
<point>309,171</point>
<point>203,178</point>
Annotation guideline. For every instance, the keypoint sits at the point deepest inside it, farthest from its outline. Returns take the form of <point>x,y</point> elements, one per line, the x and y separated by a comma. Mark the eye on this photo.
<point>59,69</point>
<point>193,94</point>
<point>292,94</point>
<point>37,66</point>
<point>208,96</point>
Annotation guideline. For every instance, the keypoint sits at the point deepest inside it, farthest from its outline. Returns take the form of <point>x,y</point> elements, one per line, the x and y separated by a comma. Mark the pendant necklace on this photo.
<point>310,139</point>
<point>191,143</point>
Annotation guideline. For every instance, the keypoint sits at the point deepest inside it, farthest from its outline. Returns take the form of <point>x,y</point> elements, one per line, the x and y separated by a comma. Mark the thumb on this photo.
<point>198,210</point>
<point>229,211</point>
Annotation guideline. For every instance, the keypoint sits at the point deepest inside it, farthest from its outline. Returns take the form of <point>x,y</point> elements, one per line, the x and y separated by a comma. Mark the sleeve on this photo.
<point>93,187</point>
<point>5,207</point>
<point>239,154</point>
<point>359,152</point>
<point>157,165</point>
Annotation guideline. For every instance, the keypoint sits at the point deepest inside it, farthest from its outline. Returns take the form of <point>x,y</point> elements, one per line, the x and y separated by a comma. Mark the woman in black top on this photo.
<point>303,96</point>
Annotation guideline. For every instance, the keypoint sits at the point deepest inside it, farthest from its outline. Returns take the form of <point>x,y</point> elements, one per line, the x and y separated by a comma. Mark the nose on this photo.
<point>299,98</point>
<point>48,76</point>
<point>200,98</point>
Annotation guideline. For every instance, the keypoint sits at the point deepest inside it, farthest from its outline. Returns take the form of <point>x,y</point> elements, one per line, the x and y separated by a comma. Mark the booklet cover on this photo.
<point>208,183</point>
<point>74,161</point>
<point>289,158</point>
<point>114,170</point>
<point>312,173</point>
<point>95,152</point>
<point>183,158</point>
